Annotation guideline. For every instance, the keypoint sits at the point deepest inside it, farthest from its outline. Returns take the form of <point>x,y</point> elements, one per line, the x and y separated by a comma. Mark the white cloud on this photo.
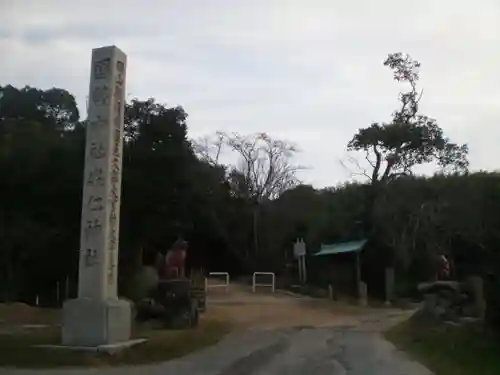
<point>310,71</point>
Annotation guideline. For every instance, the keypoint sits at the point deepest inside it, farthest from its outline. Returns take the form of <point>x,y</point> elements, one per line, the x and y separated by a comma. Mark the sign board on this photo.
<point>299,248</point>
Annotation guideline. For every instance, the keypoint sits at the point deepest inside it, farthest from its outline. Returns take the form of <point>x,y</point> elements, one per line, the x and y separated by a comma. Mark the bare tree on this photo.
<point>209,148</point>
<point>264,164</point>
<point>263,170</point>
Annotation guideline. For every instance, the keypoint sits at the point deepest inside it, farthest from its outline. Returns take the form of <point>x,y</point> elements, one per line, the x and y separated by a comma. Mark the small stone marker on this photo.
<point>389,285</point>
<point>363,294</point>
<point>97,317</point>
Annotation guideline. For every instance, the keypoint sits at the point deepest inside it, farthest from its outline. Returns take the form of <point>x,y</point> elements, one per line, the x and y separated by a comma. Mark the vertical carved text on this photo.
<point>115,172</point>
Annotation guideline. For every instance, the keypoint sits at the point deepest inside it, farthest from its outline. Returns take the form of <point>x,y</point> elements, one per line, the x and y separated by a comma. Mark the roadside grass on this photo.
<point>21,313</point>
<point>17,350</point>
<point>449,350</point>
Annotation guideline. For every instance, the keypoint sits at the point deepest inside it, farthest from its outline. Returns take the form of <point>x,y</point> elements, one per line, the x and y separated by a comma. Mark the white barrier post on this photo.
<point>254,283</point>
<point>226,285</point>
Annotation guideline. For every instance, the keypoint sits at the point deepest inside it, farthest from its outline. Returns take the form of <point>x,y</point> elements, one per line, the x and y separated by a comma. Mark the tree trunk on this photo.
<point>222,231</point>
<point>255,229</point>
<point>372,194</point>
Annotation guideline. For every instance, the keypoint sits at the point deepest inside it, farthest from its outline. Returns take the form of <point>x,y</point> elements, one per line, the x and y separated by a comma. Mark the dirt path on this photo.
<point>279,334</point>
<point>266,310</point>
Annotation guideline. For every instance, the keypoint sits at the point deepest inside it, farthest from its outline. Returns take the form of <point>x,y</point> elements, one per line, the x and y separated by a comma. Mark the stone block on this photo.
<point>108,349</point>
<point>430,303</point>
<point>88,322</point>
<point>434,286</point>
<point>475,286</point>
<point>363,294</point>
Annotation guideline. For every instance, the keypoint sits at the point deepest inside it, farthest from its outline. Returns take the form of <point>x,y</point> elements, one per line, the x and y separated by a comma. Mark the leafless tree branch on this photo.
<point>264,166</point>
<point>360,171</point>
<point>209,148</point>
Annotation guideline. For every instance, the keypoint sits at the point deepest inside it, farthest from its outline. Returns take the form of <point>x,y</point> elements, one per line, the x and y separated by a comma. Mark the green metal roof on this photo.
<point>342,247</point>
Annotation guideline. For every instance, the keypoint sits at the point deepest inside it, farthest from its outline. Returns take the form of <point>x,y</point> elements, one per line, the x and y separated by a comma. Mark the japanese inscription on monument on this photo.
<point>97,316</point>
<point>102,176</point>
<point>115,172</point>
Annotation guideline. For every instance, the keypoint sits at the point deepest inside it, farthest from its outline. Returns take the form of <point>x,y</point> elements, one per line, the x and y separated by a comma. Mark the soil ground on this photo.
<point>276,334</point>
<point>265,310</point>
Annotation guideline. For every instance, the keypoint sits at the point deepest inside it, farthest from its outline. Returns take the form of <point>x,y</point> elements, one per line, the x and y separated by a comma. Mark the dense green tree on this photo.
<point>410,139</point>
<point>37,164</point>
<point>393,150</point>
<point>165,188</point>
<point>172,187</point>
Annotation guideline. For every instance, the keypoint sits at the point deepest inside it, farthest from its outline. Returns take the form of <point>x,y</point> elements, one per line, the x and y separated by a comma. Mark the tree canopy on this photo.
<point>393,149</point>
<point>240,217</point>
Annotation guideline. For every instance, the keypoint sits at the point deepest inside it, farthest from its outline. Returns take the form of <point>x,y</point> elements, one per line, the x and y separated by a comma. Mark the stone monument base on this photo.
<point>92,323</point>
<point>108,349</point>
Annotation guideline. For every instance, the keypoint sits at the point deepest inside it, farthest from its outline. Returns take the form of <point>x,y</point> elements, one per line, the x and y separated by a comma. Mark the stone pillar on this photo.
<point>330,291</point>
<point>389,285</point>
<point>304,270</point>
<point>97,316</point>
<point>363,294</point>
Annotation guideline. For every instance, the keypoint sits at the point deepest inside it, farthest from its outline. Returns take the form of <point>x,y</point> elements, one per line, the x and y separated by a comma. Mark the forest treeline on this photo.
<point>243,217</point>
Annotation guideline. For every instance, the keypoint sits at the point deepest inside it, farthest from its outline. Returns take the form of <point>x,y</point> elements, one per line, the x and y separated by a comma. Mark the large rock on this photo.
<point>434,286</point>
<point>451,300</point>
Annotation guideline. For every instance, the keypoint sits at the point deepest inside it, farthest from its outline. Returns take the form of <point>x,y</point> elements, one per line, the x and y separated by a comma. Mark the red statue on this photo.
<point>444,269</point>
<point>172,265</point>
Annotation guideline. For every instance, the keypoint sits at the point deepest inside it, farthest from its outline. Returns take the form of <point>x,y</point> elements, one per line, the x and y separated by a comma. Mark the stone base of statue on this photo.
<point>92,323</point>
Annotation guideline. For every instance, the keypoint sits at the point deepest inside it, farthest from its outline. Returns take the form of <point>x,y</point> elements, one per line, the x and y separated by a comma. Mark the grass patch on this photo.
<point>18,351</point>
<point>21,313</point>
<point>449,350</point>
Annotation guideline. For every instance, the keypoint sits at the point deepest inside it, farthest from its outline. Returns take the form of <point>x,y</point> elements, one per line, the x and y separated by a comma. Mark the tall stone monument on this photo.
<point>97,317</point>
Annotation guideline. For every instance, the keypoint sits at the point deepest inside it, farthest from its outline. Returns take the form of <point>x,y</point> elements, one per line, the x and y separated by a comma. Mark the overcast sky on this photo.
<point>306,71</point>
